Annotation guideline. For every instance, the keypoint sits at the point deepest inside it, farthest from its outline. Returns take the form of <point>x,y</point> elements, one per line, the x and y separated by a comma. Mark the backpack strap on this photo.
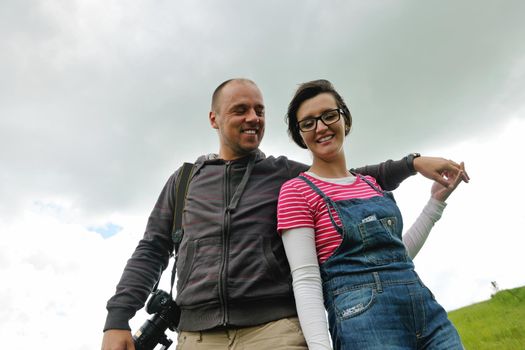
<point>182,183</point>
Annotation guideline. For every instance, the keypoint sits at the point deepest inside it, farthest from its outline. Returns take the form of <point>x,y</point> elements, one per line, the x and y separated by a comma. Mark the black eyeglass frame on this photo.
<point>323,115</point>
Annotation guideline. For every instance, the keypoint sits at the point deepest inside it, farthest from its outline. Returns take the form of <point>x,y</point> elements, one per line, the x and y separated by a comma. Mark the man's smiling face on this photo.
<point>239,119</point>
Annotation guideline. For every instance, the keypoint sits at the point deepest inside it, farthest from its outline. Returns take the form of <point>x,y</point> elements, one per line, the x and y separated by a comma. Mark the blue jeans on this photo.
<point>387,311</point>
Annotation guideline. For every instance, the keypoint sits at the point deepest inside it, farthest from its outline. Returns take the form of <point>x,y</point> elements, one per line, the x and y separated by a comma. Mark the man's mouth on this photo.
<point>250,131</point>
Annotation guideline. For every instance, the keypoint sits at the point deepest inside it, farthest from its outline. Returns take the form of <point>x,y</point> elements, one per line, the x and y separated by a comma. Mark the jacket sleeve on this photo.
<point>144,268</point>
<point>295,168</point>
<point>388,174</point>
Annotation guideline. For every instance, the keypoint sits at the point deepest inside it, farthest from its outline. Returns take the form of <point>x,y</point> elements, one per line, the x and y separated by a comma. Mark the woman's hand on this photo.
<point>440,169</point>
<point>441,192</point>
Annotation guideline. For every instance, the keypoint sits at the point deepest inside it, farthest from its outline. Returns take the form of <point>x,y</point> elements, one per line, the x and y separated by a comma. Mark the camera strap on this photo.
<point>182,183</point>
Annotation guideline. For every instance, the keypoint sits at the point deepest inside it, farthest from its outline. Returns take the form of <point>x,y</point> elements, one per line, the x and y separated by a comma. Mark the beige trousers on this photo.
<point>283,334</point>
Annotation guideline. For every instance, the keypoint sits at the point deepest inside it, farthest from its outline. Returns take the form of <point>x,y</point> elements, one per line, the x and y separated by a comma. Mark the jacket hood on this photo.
<point>211,157</point>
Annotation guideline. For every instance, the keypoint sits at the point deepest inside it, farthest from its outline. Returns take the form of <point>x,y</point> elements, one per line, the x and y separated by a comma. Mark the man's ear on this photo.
<point>213,121</point>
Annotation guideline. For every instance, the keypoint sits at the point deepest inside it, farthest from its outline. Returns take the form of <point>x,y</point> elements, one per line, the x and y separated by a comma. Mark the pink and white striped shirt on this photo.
<point>299,206</point>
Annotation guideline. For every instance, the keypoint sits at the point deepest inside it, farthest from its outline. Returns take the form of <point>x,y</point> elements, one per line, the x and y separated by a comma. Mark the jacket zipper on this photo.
<point>225,243</point>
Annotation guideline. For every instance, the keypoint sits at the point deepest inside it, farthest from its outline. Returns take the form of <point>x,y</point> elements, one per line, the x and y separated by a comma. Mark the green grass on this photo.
<point>495,324</point>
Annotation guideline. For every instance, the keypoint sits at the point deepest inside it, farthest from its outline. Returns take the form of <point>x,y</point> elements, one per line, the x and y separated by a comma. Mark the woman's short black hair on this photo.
<point>305,92</point>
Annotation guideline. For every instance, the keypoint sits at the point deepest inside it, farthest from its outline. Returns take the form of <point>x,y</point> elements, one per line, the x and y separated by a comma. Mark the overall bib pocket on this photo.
<point>380,244</point>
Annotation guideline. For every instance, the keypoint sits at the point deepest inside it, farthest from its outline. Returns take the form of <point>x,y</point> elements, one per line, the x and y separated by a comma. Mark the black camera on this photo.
<point>166,314</point>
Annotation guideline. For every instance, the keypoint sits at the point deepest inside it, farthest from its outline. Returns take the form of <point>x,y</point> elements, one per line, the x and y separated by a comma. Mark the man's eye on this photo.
<point>260,113</point>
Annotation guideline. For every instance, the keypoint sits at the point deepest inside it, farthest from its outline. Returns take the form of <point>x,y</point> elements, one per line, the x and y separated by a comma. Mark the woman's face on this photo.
<point>325,142</point>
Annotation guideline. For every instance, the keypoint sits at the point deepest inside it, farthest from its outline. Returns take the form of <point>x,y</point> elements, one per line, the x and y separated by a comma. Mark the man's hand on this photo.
<point>441,170</point>
<point>441,192</point>
<point>117,339</point>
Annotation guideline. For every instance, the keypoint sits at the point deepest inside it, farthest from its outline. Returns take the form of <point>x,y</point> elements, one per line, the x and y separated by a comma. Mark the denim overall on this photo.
<point>373,296</point>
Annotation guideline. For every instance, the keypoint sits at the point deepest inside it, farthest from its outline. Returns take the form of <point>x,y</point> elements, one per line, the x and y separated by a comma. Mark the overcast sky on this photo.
<point>100,101</point>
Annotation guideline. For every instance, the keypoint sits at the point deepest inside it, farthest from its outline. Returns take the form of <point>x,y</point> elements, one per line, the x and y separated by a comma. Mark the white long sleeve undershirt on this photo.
<point>299,244</point>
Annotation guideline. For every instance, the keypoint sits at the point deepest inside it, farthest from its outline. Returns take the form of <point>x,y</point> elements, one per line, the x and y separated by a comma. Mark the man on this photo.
<point>234,285</point>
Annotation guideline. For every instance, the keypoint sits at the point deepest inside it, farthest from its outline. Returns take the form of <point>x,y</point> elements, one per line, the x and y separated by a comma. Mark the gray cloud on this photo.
<point>99,102</point>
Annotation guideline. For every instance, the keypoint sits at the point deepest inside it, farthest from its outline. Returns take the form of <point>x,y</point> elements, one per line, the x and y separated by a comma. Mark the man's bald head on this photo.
<point>216,97</point>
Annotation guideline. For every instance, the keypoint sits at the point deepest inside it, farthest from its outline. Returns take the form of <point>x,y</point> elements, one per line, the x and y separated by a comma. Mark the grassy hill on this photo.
<point>498,323</point>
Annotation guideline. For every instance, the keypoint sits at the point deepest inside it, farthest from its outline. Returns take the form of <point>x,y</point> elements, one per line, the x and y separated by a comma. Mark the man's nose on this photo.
<point>252,116</point>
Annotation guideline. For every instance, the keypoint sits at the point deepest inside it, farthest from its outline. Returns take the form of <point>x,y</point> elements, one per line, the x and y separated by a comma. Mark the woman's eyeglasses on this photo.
<point>329,117</point>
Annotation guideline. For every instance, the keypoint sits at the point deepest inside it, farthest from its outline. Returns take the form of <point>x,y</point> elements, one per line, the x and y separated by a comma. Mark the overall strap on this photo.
<point>377,189</point>
<point>314,187</point>
<point>330,204</point>
<point>182,183</point>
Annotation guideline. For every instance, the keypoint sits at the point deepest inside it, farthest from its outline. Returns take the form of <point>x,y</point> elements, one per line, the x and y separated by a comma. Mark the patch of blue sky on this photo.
<point>108,230</point>
<point>48,208</point>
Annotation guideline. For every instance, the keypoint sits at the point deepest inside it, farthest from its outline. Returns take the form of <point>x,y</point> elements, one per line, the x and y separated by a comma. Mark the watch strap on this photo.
<point>410,161</point>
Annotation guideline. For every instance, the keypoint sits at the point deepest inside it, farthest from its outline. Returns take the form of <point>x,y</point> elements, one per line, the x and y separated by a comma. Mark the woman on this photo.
<point>341,229</point>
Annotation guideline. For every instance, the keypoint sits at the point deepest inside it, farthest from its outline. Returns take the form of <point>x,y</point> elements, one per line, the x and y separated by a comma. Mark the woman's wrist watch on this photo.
<point>410,161</point>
